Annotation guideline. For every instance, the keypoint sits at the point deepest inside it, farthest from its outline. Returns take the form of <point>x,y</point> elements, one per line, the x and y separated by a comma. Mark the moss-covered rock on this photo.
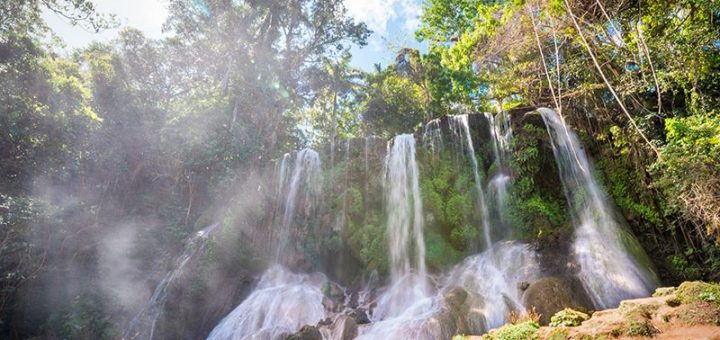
<point>568,318</point>
<point>519,331</point>
<point>685,312</point>
<point>698,291</point>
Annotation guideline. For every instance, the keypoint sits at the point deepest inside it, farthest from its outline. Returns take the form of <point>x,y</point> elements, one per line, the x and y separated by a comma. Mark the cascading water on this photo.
<point>283,301</point>
<point>500,132</point>
<point>491,280</point>
<point>405,307</point>
<point>613,266</point>
<point>461,130</point>
<point>281,304</point>
<point>143,325</point>
<point>305,175</point>
<point>432,137</point>
<point>408,273</point>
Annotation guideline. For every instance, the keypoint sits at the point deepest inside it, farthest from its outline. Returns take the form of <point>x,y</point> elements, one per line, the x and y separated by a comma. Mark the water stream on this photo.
<point>613,266</point>
<point>461,131</point>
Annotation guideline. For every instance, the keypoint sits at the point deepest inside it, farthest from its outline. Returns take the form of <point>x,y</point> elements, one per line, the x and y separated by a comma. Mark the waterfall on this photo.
<point>143,325</point>
<point>432,137</point>
<point>408,273</point>
<point>491,280</point>
<point>500,132</point>
<point>306,174</point>
<point>281,304</point>
<point>613,266</point>
<point>283,301</point>
<point>461,130</point>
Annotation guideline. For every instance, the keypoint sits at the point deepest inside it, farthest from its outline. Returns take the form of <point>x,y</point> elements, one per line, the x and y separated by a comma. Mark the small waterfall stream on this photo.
<point>613,266</point>
<point>283,301</point>
<point>142,326</point>
<point>461,131</point>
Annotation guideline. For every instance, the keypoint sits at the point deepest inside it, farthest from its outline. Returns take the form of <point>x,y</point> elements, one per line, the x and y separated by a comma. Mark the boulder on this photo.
<point>552,294</point>
<point>343,328</point>
<point>459,314</point>
<point>306,333</point>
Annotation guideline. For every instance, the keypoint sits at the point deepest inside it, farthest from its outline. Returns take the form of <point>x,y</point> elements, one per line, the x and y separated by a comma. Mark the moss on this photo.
<point>520,331</point>
<point>536,202</point>
<point>640,328</point>
<point>439,253</point>
<point>673,301</point>
<point>663,291</point>
<point>568,318</point>
<point>557,334</point>
<point>697,291</point>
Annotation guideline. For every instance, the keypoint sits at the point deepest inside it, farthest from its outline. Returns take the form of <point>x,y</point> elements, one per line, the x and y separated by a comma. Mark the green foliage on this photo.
<point>520,331</point>
<point>85,317</point>
<point>536,203</point>
<point>394,104</point>
<point>568,318</point>
<point>640,328</point>
<point>689,171</point>
<point>439,253</point>
<point>449,204</point>
<point>697,291</point>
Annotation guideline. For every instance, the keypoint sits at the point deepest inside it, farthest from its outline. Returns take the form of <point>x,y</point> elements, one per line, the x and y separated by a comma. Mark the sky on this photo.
<point>392,22</point>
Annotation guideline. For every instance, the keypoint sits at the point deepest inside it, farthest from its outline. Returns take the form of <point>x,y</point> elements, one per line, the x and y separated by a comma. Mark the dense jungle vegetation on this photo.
<point>148,140</point>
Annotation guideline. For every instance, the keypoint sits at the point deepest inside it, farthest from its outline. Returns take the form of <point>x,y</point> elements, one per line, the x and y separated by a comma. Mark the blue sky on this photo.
<point>392,21</point>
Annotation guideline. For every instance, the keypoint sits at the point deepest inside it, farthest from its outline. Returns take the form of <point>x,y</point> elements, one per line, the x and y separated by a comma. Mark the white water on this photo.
<point>432,137</point>
<point>306,175</point>
<point>613,266</point>
<point>491,278</point>
<point>408,273</point>
<point>500,132</point>
<point>281,304</point>
<point>143,325</point>
<point>461,130</point>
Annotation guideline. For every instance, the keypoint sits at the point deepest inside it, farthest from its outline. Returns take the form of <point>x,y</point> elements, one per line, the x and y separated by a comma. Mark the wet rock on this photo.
<point>358,315</point>
<point>551,295</point>
<point>306,333</point>
<point>343,328</point>
<point>331,305</point>
<point>523,285</point>
<point>458,316</point>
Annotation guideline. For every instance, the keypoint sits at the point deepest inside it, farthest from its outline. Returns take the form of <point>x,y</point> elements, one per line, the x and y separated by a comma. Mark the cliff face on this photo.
<point>332,218</point>
<point>344,235</point>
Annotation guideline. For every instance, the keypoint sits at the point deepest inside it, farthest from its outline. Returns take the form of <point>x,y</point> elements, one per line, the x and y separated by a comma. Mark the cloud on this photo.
<point>380,14</point>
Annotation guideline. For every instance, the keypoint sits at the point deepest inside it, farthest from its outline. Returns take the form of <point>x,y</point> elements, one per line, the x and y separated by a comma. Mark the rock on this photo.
<point>663,291</point>
<point>343,328</point>
<point>458,314</point>
<point>523,285</point>
<point>664,316</point>
<point>331,305</point>
<point>358,315</point>
<point>568,318</point>
<point>551,295</point>
<point>306,333</point>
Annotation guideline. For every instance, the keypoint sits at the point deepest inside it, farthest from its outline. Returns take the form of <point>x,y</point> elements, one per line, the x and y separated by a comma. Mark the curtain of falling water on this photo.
<point>613,265</point>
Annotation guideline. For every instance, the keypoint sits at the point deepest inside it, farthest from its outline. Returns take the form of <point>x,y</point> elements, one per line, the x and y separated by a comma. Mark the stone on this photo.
<point>306,333</point>
<point>552,294</point>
